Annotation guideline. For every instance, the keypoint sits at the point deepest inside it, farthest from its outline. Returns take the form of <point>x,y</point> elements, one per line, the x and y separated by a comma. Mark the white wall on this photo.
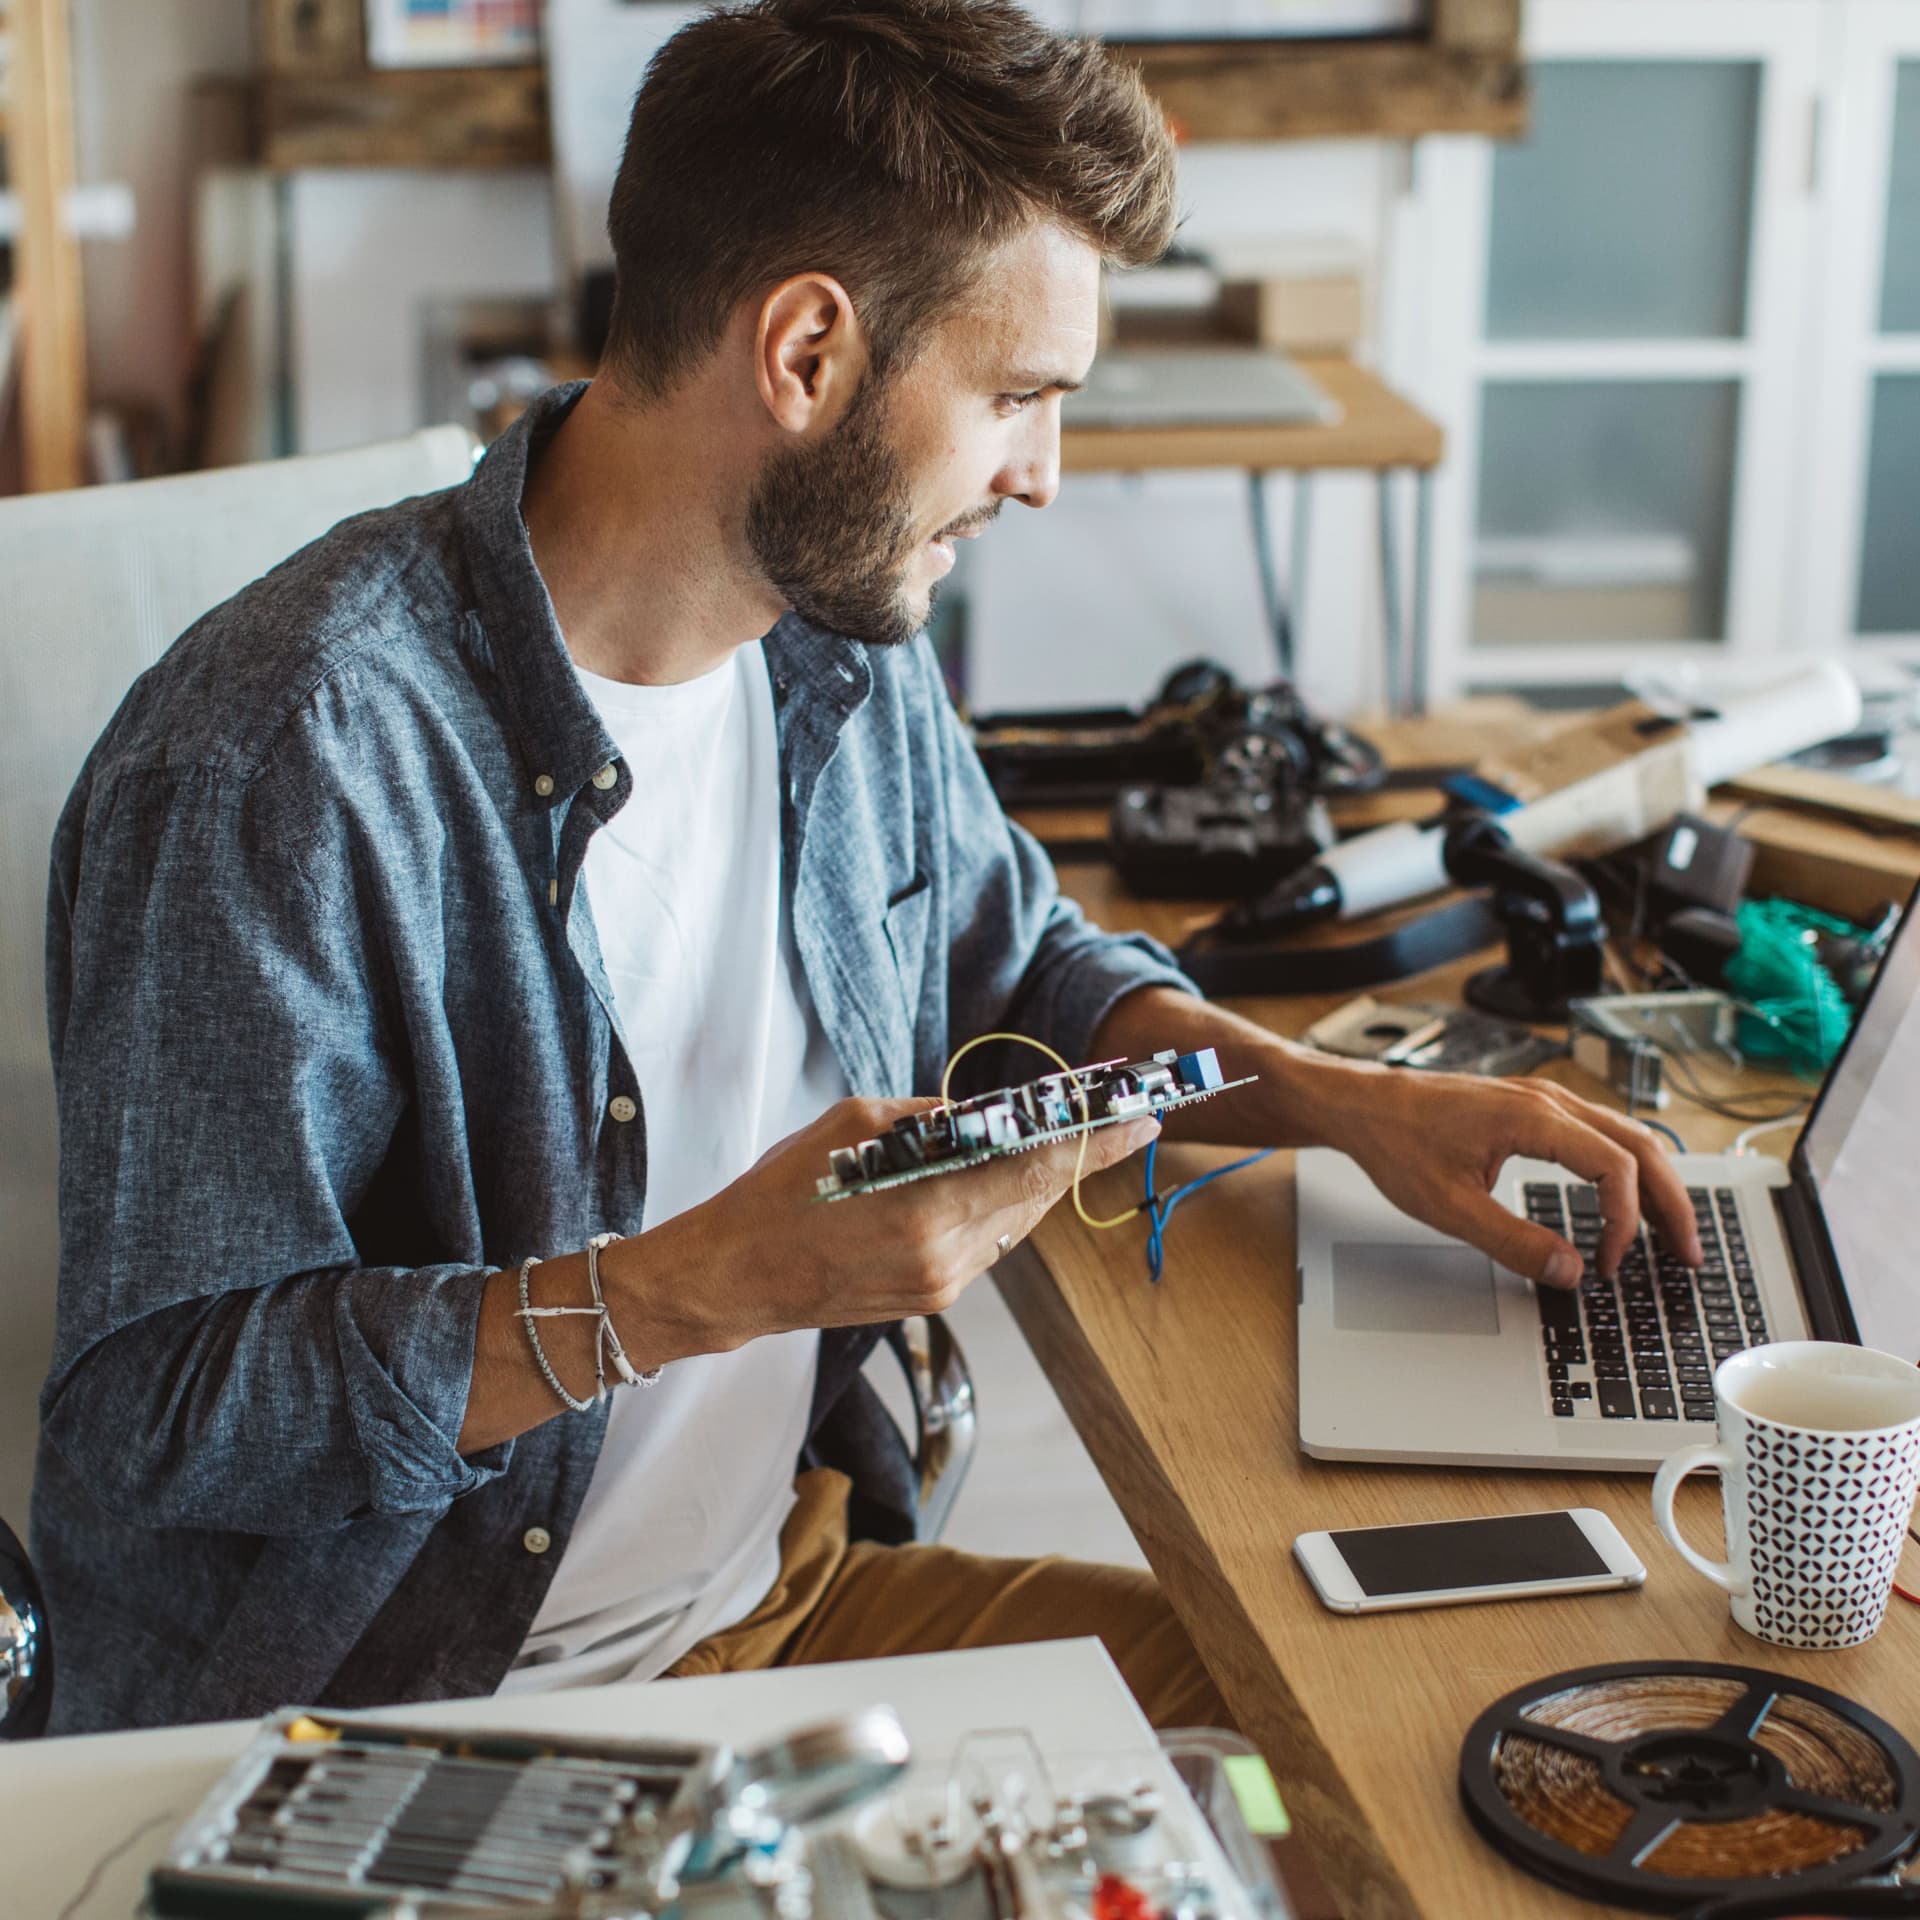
<point>134,62</point>
<point>369,252</point>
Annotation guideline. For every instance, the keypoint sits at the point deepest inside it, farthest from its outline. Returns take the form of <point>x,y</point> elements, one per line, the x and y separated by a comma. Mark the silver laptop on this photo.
<point>1196,387</point>
<point>1415,1347</point>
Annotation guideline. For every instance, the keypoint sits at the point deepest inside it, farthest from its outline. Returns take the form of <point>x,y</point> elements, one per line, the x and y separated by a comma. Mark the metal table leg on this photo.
<point>1301,494</point>
<point>1391,603</point>
<point>1273,595</point>
<point>1422,587</point>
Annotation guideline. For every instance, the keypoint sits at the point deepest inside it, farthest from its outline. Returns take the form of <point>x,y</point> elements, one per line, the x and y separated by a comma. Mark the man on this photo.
<point>587,851</point>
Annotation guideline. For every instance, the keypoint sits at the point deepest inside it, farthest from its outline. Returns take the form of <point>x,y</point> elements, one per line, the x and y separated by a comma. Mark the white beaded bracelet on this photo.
<point>610,1346</point>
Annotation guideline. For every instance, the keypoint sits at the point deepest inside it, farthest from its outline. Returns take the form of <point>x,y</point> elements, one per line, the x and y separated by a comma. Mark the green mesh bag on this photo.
<point>1794,1010</point>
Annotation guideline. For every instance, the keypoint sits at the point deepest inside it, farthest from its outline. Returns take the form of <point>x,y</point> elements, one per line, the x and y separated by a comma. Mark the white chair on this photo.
<point>94,586</point>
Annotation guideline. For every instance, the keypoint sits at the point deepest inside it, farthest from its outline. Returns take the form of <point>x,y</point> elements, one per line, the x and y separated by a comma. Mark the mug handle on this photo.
<point>1666,1483</point>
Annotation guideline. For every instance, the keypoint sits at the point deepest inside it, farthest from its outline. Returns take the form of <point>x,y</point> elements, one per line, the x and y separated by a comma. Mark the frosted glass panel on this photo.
<point>1900,290</point>
<point>1890,545</point>
<point>1624,214</point>
<point>1605,510</point>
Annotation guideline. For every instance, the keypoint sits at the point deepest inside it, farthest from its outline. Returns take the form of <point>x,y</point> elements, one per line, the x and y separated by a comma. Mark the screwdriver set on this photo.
<point>330,1816</point>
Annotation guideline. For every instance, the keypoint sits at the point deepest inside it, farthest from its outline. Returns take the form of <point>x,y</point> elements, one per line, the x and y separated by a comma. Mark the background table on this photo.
<point>1377,432</point>
<point>83,1820</point>
<point>1186,1397</point>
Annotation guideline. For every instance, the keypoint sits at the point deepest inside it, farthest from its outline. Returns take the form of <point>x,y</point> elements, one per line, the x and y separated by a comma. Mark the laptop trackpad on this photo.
<point>1387,1288</point>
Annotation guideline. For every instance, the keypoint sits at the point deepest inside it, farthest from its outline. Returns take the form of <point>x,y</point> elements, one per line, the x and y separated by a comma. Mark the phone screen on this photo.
<point>1512,1550</point>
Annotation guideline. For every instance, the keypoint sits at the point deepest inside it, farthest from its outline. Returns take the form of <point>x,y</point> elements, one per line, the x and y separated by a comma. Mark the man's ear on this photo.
<point>809,352</point>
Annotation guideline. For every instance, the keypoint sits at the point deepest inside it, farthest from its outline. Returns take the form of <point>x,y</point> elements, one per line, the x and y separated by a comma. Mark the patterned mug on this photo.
<point>1819,1456</point>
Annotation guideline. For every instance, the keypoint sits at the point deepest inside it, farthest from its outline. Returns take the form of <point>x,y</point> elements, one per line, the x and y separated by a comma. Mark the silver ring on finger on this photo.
<point>1005,1243</point>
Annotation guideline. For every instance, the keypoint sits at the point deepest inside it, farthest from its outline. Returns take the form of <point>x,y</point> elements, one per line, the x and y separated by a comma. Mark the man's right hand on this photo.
<point>765,1256</point>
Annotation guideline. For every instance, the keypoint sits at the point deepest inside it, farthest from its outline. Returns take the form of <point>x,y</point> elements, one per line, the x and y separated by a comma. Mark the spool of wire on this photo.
<point>1661,1786</point>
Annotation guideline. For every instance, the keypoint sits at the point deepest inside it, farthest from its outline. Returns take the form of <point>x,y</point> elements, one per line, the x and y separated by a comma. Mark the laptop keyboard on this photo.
<point>1644,1344</point>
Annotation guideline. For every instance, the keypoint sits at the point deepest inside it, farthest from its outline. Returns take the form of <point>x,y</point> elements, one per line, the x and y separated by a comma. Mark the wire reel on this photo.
<point>1667,1785</point>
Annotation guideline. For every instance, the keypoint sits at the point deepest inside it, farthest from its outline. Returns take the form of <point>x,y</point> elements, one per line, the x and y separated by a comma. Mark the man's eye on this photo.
<point>1014,402</point>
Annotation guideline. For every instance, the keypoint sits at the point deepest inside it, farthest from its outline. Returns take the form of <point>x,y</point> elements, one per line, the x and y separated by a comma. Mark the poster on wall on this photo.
<point>452,33</point>
<point>1232,19</point>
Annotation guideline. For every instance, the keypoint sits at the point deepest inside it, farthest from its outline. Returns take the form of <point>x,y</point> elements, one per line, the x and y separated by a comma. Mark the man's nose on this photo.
<point>1033,476</point>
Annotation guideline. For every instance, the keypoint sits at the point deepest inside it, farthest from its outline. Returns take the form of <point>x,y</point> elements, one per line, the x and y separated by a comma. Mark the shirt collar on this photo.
<point>824,673</point>
<point>560,733</point>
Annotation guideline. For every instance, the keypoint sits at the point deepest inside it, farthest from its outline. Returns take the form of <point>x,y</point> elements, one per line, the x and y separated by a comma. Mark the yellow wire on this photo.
<point>1086,1118</point>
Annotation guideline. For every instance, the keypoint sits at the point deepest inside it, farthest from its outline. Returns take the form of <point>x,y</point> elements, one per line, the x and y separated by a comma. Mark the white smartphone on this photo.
<point>1445,1563</point>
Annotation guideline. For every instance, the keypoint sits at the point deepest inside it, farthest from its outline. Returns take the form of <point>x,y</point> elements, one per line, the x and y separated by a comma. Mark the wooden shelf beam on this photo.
<point>53,350</point>
<point>404,117</point>
<point>318,103</point>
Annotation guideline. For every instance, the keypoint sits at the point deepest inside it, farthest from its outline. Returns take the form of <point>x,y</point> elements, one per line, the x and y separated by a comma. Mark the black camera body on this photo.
<point>1216,789</point>
<point>1226,838</point>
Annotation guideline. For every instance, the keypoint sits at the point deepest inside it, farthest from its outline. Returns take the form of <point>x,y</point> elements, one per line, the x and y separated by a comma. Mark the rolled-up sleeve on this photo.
<point>229,1086</point>
<point>1021,958</point>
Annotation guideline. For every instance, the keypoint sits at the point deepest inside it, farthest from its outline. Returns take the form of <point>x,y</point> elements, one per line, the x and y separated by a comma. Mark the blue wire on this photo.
<point>1660,1126</point>
<point>1159,1207</point>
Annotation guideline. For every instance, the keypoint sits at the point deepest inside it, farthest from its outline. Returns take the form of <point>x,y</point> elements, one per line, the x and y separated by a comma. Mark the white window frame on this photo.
<point>1868,41</point>
<point>1438,323</point>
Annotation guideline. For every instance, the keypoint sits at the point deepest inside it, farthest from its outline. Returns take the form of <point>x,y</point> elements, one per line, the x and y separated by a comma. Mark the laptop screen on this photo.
<point>1862,1148</point>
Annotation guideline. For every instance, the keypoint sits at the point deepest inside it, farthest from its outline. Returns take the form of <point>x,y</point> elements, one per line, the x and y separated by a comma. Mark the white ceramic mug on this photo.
<point>1819,1455</point>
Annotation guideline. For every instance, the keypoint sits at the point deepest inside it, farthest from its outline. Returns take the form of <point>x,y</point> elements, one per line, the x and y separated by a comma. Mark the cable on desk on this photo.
<point>1159,1207</point>
<point>1660,1126</point>
<point>1912,1599</point>
<point>1743,1141</point>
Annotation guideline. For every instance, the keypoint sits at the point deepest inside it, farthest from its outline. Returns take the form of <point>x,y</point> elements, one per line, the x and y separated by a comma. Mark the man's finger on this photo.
<point>1036,1180</point>
<point>1663,1194</point>
<point>1521,1246</point>
<point>1552,1133</point>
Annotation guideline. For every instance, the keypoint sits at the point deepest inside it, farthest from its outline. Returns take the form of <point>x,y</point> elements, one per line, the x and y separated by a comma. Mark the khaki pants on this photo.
<point>835,1601</point>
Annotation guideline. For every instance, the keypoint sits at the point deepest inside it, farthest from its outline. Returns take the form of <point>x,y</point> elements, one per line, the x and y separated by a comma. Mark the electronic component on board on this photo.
<point>1017,1119</point>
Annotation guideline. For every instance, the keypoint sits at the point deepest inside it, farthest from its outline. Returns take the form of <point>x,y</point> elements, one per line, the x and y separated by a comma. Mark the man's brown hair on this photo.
<point>890,143</point>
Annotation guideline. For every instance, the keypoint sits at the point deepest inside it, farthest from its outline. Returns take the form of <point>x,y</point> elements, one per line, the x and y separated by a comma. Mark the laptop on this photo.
<point>1196,387</point>
<point>1416,1347</point>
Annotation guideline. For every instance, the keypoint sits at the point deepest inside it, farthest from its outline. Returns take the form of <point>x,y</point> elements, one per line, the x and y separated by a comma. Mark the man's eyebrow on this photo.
<point>1024,382</point>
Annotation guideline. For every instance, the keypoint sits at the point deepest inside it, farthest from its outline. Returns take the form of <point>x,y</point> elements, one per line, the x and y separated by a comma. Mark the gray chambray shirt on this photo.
<point>333,1042</point>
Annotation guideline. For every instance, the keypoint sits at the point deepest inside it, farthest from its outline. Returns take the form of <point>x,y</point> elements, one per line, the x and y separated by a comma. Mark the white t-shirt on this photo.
<point>679,1535</point>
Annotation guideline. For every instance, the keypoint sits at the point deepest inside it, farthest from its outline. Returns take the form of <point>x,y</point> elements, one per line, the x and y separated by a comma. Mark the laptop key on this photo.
<point>1581,1389</point>
<point>1558,1308</point>
<point>1616,1399</point>
<point>1658,1405</point>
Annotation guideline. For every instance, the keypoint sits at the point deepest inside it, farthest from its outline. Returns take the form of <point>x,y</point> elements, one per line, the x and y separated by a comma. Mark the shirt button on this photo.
<point>543,784</point>
<point>536,1539</point>
<point>622,1108</point>
<point>605,778</point>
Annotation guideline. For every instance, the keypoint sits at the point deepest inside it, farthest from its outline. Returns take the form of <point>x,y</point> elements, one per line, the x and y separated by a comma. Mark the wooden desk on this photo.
<point>1377,432</point>
<point>1186,1397</point>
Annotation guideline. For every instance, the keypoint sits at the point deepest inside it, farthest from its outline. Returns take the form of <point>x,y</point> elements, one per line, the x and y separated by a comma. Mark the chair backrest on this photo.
<point>94,586</point>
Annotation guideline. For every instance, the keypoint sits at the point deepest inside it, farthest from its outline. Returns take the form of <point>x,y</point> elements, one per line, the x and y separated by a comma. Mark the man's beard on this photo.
<point>832,528</point>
